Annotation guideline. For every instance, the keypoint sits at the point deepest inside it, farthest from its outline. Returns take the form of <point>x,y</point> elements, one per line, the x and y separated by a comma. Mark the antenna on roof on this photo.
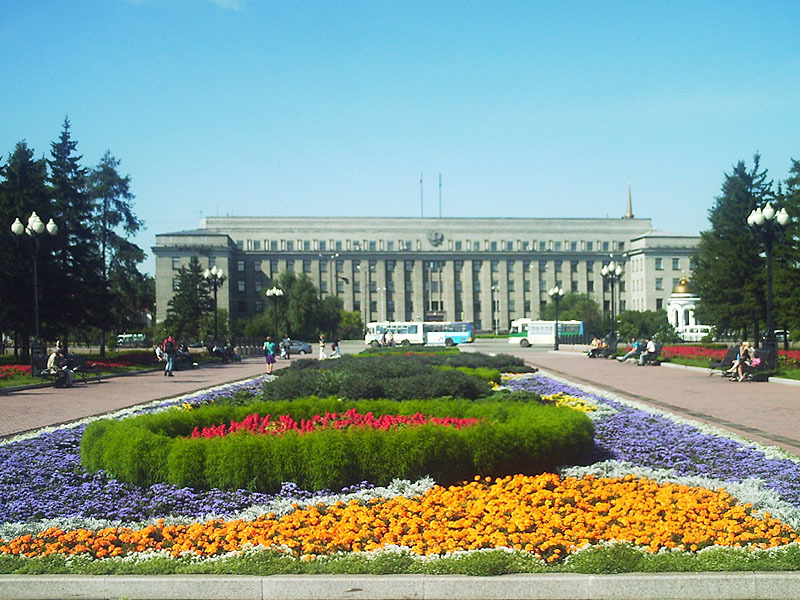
<point>440,195</point>
<point>629,214</point>
<point>420,197</point>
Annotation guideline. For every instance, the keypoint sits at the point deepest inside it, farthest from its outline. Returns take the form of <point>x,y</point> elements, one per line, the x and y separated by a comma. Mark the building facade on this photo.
<point>485,270</point>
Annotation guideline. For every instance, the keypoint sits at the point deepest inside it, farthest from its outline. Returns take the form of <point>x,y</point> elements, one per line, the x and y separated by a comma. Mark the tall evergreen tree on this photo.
<point>23,189</point>
<point>787,251</point>
<point>114,222</point>
<point>192,300</point>
<point>83,296</point>
<point>729,268</point>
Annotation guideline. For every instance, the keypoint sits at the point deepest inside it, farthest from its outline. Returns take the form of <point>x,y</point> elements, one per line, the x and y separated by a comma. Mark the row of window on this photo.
<point>283,245</point>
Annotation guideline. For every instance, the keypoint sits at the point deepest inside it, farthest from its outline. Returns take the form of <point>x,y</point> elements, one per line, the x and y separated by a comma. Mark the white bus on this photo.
<point>418,332</point>
<point>694,333</point>
<point>528,332</point>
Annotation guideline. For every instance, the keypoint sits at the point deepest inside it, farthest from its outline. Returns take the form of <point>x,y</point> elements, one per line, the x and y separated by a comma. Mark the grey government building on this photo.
<point>485,270</point>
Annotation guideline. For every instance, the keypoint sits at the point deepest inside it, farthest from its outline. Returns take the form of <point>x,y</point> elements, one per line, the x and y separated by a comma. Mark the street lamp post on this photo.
<point>216,278</point>
<point>612,273</point>
<point>496,308</point>
<point>331,273</point>
<point>768,224</point>
<point>274,293</point>
<point>556,294</point>
<point>34,228</point>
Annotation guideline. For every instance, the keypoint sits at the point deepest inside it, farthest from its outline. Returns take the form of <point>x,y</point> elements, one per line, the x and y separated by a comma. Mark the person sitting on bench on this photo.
<point>57,365</point>
<point>634,351</point>
<point>649,352</point>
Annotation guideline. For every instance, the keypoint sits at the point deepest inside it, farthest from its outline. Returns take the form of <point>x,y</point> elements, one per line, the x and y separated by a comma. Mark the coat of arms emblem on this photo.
<point>435,238</point>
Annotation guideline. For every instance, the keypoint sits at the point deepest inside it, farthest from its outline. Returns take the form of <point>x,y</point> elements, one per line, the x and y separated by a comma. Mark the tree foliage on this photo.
<point>578,307</point>
<point>190,304</point>
<point>729,271</point>
<point>646,324</point>
<point>787,251</point>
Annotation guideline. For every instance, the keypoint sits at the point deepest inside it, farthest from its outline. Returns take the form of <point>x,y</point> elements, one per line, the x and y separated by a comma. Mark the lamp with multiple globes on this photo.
<point>768,224</point>
<point>612,273</point>
<point>274,294</point>
<point>215,277</point>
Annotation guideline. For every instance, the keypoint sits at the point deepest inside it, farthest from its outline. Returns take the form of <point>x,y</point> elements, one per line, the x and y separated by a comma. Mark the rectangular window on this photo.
<point>493,246</point>
<point>542,266</point>
<point>240,244</point>
<point>240,266</point>
<point>458,245</point>
<point>476,285</point>
<point>659,304</point>
<point>338,245</point>
<point>590,246</point>
<point>273,267</point>
<point>459,285</point>
<point>590,266</point>
<point>495,264</point>
<point>590,286</point>
<point>605,246</point>
<point>409,266</point>
<point>512,306</point>
<point>323,266</point>
<point>339,266</point>
<point>558,247</point>
<point>510,266</point>
<point>322,245</point>
<point>526,285</point>
<point>256,244</point>
<point>259,285</point>
<point>290,245</point>
<point>306,266</point>
<point>390,245</point>
<point>373,286</point>
<point>659,283</point>
<point>373,245</point>
<point>356,245</point>
<point>573,266</point>
<point>573,246</point>
<point>339,286</point>
<point>257,266</point>
<point>259,306</point>
<point>527,305</point>
<point>574,286</point>
<point>509,246</point>
<point>409,285</point>
<point>558,266</point>
<point>290,266</point>
<point>390,265</point>
<point>659,264</point>
<point>542,246</point>
<point>323,287</point>
<point>273,245</point>
<point>458,265</point>
<point>675,264</point>
<point>476,246</point>
<point>542,285</point>
<point>306,245</point>
<point>242,286</point>
<point>372,265</point>
<point>526,245</point>
<point>476,265</point>
<point>510,285</point>
<point>675,281</point>
<point>176,263</point>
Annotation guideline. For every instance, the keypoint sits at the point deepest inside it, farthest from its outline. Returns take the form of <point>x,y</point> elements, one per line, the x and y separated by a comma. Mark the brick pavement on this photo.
<point>768,413</point>
<point>28,409</point>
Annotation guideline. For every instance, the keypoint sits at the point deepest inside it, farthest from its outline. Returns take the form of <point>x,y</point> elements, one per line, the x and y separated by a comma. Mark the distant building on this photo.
<point>471,269</point>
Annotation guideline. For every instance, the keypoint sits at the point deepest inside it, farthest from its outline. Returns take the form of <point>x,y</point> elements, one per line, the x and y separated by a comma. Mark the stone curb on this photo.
<point>677,586</point>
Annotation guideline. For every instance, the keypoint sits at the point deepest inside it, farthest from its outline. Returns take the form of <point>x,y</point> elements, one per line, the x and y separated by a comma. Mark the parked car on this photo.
<point>298,347</point>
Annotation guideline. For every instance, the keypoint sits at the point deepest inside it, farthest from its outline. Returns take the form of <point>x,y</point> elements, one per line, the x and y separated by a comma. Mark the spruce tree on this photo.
<point>83,296</point>
<point>729,268</point>
<point>192,300</point>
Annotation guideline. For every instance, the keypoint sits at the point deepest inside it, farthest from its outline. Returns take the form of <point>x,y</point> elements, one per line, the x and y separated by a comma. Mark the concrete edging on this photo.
<point>678,586</point>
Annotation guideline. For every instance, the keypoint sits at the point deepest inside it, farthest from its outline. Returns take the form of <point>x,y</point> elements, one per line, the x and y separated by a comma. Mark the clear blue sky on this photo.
<point>255,107</point>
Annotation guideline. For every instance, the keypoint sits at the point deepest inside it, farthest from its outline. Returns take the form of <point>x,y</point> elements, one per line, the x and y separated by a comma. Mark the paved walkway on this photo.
<point>768,413</point>
<point>33,408</point>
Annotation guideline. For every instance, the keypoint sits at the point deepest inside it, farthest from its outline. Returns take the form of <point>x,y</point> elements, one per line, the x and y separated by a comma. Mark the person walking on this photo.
<point>322,355</point>
<point>269,354</point>
<point>170,351</point>
<point>335,348</point>
<point>287,347</point>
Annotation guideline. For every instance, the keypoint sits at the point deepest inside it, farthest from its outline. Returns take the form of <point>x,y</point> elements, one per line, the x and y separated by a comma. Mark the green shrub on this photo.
<point>516,437</point>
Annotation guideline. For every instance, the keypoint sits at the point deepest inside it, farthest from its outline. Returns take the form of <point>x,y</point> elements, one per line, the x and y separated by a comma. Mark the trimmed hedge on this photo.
<point>516,437</point>
<point>393,377</point>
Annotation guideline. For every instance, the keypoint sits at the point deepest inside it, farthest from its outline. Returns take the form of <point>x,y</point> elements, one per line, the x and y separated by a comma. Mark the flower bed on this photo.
<point>347,420</point>
<point>655,480</point>
<point>507,438</point>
